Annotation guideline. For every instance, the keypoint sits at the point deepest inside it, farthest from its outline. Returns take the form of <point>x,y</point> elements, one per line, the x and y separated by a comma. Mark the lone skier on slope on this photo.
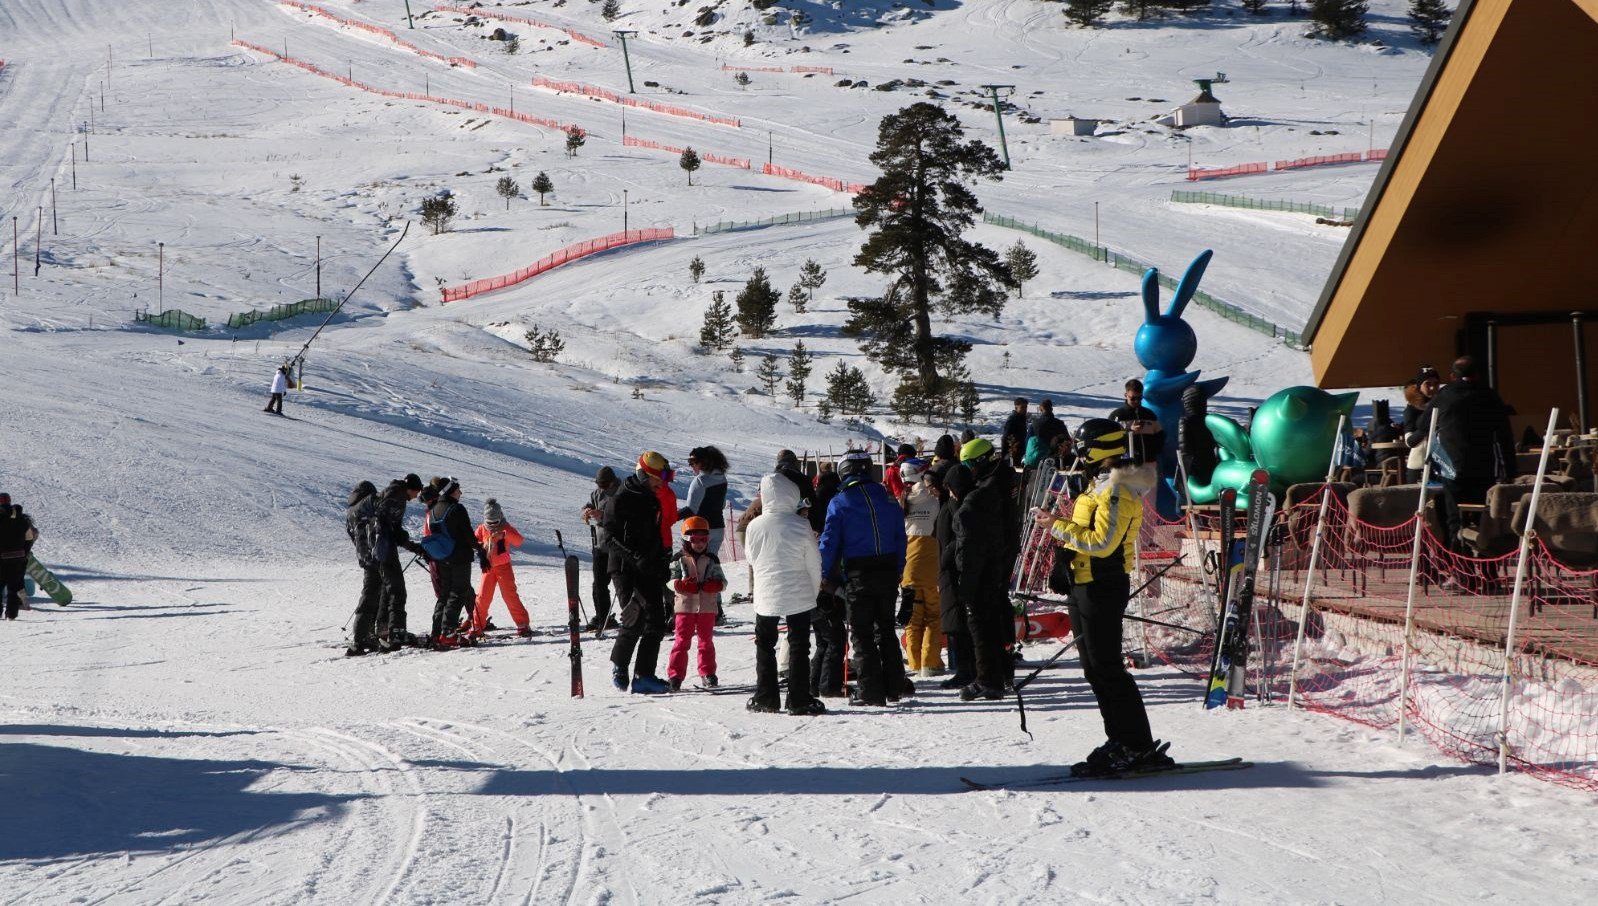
<point>280,386</point>
<point>1100,535</point>
<point>17,535</point>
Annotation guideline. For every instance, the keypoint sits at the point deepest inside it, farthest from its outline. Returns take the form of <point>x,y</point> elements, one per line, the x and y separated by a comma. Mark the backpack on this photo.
<point>439,544</point>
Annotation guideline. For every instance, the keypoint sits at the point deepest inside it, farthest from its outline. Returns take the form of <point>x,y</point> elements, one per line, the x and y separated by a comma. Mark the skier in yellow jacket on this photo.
<point>919,610</point>
<point>1101,536</point>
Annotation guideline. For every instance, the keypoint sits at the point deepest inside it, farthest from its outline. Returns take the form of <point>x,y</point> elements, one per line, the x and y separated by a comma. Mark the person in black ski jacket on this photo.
<point>957,483</point>
<point>983,554</point>
<point>827,483</point>
<point>1013,437</point>
<point>1046,425</point>
<point>1475,446</point>
<point>16,542</point>
<point>1195,442</point>
<point>389,628</point>
<point>455,570</point>
<point>639,565</point>
<point>360,522</point>
<point>605,486</point>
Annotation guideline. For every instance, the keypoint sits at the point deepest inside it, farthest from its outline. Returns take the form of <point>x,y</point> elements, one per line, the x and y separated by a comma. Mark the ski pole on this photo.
<point>1020,703</point>
<point>1149,620</point>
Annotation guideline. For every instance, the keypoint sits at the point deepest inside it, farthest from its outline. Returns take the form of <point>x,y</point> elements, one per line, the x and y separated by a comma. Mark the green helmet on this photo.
<point>976,450</point>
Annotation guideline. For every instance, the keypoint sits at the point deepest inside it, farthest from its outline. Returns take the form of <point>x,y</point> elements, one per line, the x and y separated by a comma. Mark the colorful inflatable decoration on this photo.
<point>1291,438</point>
<point>1166,345</point>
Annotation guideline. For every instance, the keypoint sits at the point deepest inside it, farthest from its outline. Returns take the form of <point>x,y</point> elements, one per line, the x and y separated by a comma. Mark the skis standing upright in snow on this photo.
<point>1226,684</point>
<point>573,624</point>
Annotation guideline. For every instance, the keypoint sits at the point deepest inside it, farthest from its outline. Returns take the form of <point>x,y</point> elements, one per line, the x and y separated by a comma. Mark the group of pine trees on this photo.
<point>1334,20</point>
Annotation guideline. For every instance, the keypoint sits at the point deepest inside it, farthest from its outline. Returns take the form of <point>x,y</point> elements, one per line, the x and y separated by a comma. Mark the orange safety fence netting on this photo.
<point>635,142</point>
<point>555,259</point>
<point>379,30</point>
<point>1352,661</point>
<point>487,13</point>
<point>627,100</point>
<point>544,121</point>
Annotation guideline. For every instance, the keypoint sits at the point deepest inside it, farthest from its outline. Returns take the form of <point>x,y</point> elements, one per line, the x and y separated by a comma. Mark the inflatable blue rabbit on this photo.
<point>1166,345</point>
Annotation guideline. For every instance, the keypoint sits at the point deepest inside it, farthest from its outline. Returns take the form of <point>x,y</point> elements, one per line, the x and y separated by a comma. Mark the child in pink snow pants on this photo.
<point>697,579</point>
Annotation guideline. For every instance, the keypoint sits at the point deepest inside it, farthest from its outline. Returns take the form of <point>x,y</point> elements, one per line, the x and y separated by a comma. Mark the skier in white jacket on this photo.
<point>787,570</point>
<point>280,386</point>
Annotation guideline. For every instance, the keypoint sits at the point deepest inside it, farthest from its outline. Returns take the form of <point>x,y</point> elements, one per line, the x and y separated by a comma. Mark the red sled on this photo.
<point>1045,624</point>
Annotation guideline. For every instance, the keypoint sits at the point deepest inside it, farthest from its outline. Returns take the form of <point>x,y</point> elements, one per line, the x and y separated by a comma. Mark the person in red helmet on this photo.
<point>697,579</point>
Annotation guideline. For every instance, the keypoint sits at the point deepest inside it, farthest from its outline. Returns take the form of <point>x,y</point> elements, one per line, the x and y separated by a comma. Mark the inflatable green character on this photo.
<point>1292,438</point>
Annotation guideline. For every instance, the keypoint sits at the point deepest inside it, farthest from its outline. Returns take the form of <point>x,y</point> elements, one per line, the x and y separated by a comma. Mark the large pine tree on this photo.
<point>1428,19</point>
<point>1087,13</point>
<point>920,207</point>
<point>1336,20</point>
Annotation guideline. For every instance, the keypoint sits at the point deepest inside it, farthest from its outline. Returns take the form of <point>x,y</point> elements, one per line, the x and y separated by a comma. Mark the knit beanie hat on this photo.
<point>413,482</point>
<point>492,514</point>
<point>605,475</point>
<point>787,460</point>
<point>652,463</point>
<point>959,480</point>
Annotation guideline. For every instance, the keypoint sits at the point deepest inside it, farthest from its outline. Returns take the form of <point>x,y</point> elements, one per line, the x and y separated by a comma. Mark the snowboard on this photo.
<point>1182,767</point>
<point>574,623</point>
<point>1226,679</point>
<point>47,581</point>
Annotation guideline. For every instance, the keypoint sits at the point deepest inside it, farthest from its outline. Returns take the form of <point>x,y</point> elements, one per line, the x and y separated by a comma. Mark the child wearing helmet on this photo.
<point>1099,536</point>
<point>497,537</point>
<point>697,579</point>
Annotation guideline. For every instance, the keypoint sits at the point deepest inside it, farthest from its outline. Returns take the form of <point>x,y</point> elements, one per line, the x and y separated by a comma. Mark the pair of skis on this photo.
<point>1186,767</point>
<point>573,609</point>
<point>1227,676</point>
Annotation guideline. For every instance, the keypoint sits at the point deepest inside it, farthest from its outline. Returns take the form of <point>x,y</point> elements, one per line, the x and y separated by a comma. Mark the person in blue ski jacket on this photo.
<point>862,551</point>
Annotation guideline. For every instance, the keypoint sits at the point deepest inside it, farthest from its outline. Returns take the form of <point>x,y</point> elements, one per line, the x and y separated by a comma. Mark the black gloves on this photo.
<point>907,602</point>
<point>482,559</point>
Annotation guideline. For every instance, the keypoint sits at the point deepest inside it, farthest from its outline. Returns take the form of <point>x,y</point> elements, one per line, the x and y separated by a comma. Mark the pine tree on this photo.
<point>1337,20</point>
<point>847,391</point>
<point>689,161</point>
<point>768,374</point>
<point>716,332</point>
<point>508,189</point>
<point>1087,13</point>
<point>1023,265</point>
<point>799,368</point>
<point>1428,19</point>
<point>696,268</point>
<point>742,79</point>
<point>574,140</point>
<point>610,10</point>
<point>437,212</point>
<point>796,297</point>
<point>811,277</point>
<point>542,186</point>
<point>737,358</point>
<point>1254,7</point>
<point>824,410</point>
<point>1141,8</point>
<point>920,207</point>
<point>757,306</point>
<point>544,345</point>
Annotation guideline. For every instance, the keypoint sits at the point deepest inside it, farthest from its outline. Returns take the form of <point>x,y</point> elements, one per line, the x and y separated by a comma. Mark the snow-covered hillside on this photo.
<point>188,731</point>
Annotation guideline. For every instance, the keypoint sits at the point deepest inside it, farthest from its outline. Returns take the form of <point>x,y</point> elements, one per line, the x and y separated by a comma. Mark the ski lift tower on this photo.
<point>998,114</point>
<point>624,34</point>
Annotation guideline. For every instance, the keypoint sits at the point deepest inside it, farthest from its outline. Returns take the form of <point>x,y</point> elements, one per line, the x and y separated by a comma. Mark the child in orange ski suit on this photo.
<point>497,537</point>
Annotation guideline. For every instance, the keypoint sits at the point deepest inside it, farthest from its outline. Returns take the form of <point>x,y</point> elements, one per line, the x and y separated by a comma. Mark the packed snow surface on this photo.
<point>188,730</point>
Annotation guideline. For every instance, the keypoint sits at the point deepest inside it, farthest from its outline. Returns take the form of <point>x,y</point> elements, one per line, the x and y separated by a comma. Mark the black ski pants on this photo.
<point>1097,608</point>
<point>826,665</point>
<point>391,605</point>
<point>871,586</point>
<point>798,658</point>
<point>275,404</point>
<point>454,595</point>
<point>991,626</point>
<point>642,598</point>
<point>601,589</point>
<point>366,608</point>
<point>1464,489</point>
<point>13,571</point>
<point>962,657</point>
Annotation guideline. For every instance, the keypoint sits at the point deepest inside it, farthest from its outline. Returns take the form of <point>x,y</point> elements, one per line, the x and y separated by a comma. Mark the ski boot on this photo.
<point>618,678</point>
<point>805,707</point>
<point>708,681</point>
<point>763,704</point>
<point>649,685</point>
<point>676,684</point>
<point>977,690</point>
<point>958,681</point>
<point>524,631</point>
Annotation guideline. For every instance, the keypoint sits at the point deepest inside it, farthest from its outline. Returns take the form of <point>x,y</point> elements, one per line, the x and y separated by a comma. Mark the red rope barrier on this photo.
<point>555,259</point>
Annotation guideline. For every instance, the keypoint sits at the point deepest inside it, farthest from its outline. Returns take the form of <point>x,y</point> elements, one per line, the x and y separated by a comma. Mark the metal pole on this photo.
<point>1314,558</point>
<point>1414,569</point>
<point>38,240</point>
<point>1581,373</point>
<point>408,14</point>
<point>16,261</point>
<point>625,58</point>
<point>1520,582</point>
<point>160,276</point>
<point>319,267</point>
<point>624,210</point>
<point>75,163</point>
<point>1096,242</point>
<point>513,100</point>
<point>1492,354</point>
<point>770,146</point>
<point>1004,146</point>
<point>55,224</point>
